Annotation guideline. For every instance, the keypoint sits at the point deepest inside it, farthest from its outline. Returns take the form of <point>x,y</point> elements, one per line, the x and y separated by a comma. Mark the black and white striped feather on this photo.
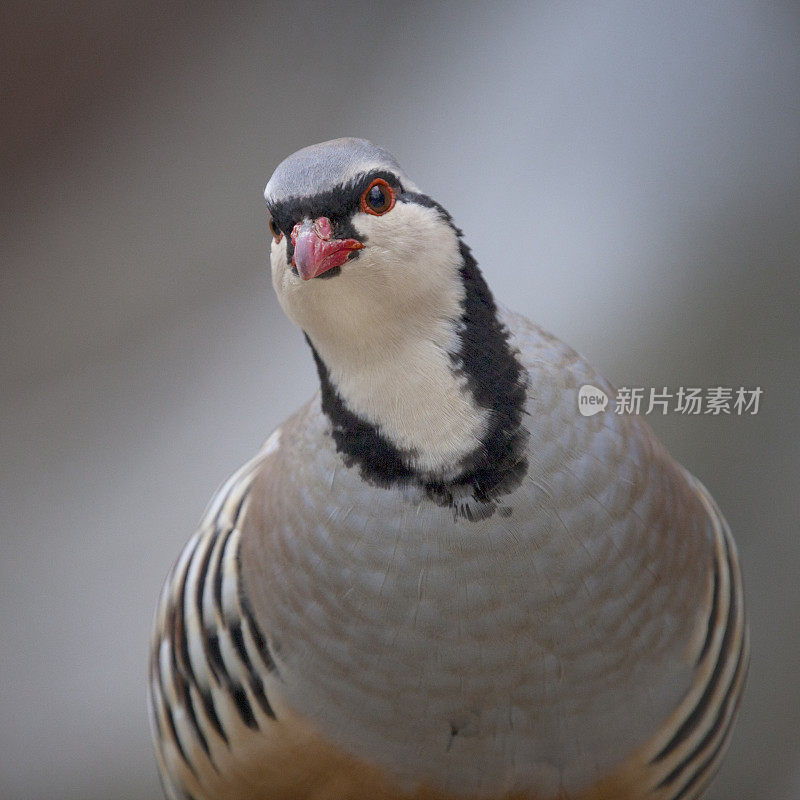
<point>209,659</point>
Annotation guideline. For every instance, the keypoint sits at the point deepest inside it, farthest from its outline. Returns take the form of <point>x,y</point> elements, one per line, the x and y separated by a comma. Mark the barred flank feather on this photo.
<point>698,733</point>
<point>208,659</point>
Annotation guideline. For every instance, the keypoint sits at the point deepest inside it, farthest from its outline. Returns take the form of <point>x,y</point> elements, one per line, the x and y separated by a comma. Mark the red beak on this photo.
<point>315,249</point>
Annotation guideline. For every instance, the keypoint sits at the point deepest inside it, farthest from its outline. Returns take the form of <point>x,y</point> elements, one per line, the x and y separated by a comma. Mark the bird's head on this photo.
<point>360,259</point>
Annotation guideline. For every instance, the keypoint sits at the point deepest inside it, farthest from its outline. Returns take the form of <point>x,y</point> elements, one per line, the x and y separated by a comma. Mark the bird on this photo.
<point>437,580</point>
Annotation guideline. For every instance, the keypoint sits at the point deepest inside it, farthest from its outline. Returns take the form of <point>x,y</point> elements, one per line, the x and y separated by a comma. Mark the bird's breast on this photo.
<point>455,650</point>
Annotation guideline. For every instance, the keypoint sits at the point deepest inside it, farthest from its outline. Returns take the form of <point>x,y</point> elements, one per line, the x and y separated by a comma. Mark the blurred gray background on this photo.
<point>628,175</point>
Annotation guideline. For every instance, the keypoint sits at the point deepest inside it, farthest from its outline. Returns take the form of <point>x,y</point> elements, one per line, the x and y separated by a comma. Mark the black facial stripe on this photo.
<point>338,205</point>
<point>428,202</point>
<point>497,381</point>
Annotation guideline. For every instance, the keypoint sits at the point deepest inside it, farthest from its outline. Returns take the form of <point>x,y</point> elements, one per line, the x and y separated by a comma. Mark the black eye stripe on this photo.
<point>338,204</point>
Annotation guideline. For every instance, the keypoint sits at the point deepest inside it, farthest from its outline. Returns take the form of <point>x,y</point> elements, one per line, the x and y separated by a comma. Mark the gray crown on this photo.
<point>325,166</point>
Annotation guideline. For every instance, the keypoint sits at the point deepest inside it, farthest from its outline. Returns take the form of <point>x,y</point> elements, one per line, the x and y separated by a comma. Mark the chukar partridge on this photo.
<point>437,579</point>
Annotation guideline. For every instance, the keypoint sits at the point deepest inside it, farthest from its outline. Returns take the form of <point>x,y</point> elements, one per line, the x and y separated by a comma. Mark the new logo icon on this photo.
<point>591,400</point>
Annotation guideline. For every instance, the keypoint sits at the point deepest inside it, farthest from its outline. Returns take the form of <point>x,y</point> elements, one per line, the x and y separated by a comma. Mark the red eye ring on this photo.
<point>385,198</point>
<point>276,232</point>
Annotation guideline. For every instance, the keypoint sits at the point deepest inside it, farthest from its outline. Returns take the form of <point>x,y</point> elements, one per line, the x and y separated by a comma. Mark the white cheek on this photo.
<point>282,278</point>
<point>277,261</point>
<point>412,249</point>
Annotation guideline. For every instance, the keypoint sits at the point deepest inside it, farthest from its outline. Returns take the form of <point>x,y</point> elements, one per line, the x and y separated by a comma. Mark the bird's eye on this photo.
<point>378,198</point>
<point>276,232</point>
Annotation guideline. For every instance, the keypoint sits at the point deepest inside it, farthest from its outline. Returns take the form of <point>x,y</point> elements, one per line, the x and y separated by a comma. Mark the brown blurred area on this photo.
<point>64,60</point>
<point>627,174</point>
